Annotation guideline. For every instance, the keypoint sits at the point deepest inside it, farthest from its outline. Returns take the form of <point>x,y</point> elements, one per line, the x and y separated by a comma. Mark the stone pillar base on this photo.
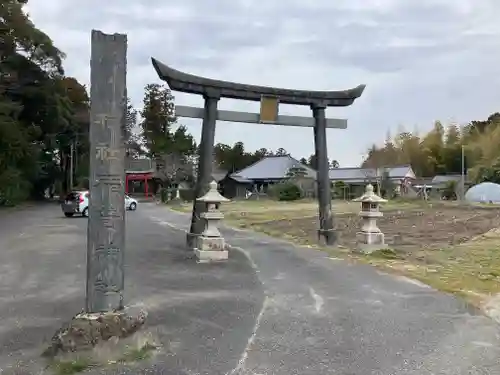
<point>327,237</point>
<point>206,256</point>
<point>211,249</point>
<point>191,240</point>
<point>368,242</point>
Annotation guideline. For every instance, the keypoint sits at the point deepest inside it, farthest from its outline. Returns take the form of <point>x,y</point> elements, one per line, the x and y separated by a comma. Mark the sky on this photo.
<point>421,60</point>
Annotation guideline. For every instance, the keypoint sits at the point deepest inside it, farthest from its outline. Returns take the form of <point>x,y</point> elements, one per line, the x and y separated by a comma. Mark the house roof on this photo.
<point>442,179</point>
<point>241,179</point>
<point>139,165</point>
<point>364,174</point>
<point>218,175</point>
<point>272,168</point>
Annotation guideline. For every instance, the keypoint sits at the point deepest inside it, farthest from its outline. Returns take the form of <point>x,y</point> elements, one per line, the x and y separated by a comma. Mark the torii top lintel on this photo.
<point>188,83</point>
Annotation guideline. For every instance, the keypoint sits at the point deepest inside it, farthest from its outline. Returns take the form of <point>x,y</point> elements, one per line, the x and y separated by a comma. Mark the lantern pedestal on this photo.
<point>369,242</point>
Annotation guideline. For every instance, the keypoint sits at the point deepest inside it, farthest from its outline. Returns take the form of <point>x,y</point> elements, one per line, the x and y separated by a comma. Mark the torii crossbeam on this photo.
<point>270,97</point>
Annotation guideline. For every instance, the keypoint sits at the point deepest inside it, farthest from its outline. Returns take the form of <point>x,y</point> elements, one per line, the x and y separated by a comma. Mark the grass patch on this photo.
<point>385,254</point>
<point>139,354</point>
<point>470,270</point>
<point>70,367</point>
<point>78,365</point>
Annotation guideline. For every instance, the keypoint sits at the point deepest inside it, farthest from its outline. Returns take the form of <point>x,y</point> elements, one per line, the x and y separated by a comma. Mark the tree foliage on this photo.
<point>440,150</point>
<point>41,111</point>
<point>164,139</point>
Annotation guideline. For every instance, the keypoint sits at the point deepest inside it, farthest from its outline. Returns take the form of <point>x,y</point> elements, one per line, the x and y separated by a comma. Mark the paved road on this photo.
<point>323,316</point>
<point>318,316</point>
<point>203,314</point>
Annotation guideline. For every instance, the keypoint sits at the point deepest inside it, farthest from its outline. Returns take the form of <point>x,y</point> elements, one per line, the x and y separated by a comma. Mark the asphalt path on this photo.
<point>274,308</point>
<point>202,314</point>
<point>325,316</point>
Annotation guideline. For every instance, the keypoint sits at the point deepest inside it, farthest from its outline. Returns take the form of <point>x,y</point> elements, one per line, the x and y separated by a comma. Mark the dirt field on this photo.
<point>407,230</point>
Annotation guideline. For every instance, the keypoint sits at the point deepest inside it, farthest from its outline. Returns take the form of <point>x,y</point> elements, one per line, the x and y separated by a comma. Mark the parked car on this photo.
<point>130,203</point>
<point>77,202</point>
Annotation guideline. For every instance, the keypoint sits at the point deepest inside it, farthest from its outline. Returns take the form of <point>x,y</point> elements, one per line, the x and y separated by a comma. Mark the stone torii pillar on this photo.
<point>205,163</point>
<point>326,224</point>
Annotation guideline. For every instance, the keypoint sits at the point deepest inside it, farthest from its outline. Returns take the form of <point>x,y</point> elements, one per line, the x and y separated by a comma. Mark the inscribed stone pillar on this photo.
<point>106,226</point>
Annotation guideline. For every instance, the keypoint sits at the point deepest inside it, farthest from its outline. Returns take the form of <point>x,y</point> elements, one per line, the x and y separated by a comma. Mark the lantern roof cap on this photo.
<point>213,195</point>
<point>369,196</point>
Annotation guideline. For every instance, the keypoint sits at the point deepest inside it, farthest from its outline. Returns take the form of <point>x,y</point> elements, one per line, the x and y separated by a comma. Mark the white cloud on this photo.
<point>422,60</point>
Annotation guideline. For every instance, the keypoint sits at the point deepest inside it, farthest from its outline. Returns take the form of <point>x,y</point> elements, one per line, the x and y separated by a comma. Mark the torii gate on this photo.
<point>270,97</point>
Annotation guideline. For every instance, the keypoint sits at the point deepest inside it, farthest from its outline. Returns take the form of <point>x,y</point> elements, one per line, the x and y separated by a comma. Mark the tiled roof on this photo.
<point>272,168</point>
<point>241,179</point>
<point>139,165</point>
<point>364,174</point>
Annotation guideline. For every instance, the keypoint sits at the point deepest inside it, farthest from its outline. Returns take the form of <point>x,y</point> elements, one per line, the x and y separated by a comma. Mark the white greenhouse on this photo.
<point>485,192</point>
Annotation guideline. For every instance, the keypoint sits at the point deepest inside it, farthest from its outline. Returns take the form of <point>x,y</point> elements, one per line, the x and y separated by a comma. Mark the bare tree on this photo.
<point>173,168</point>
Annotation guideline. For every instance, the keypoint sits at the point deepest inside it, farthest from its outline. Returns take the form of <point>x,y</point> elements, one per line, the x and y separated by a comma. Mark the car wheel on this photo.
<point>68,214</point>
<point>133,206</point>
<point>85,212</point>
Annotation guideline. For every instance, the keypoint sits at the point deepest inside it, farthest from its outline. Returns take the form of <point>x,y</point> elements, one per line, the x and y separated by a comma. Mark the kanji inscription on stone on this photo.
<point>108,275</point>
<point>104,153</point>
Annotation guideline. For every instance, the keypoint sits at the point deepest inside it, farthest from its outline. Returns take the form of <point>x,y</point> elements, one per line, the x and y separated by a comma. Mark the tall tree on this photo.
<point>452,151</point>
<point>311,161</point>
<point>132,140</point>
<point>334,164</point>
<point>281,152</point>
<point>158,117</point>
<point>39,119</point>
<point>167,142</point>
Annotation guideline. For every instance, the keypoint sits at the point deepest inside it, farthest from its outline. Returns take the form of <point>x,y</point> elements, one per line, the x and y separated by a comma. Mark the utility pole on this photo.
<point>75,164</point>
<point>462,182</point>
<point>71,148</point>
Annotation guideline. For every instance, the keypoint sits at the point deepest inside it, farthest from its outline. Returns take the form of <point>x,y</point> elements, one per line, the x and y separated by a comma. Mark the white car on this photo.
<point>77,202</point>
<point>130,203</point>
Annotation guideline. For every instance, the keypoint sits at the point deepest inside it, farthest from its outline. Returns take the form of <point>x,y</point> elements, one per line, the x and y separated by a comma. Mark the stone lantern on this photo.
<point>210,245</point>
<point>370,238</point>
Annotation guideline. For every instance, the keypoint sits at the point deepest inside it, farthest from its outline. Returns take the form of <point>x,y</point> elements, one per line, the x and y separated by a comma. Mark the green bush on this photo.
<point>449,191</point>
<point>338,190</point>
<point>287,191</point>
<point>164,195</point>
<point>14,189</point>
<point>187,195</point>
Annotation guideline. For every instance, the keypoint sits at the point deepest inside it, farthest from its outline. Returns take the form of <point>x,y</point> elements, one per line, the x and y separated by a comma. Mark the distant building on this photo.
<point>440,182</point>
<point>139,176</point>
<point>271,170</point>
<point>356,179</point>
